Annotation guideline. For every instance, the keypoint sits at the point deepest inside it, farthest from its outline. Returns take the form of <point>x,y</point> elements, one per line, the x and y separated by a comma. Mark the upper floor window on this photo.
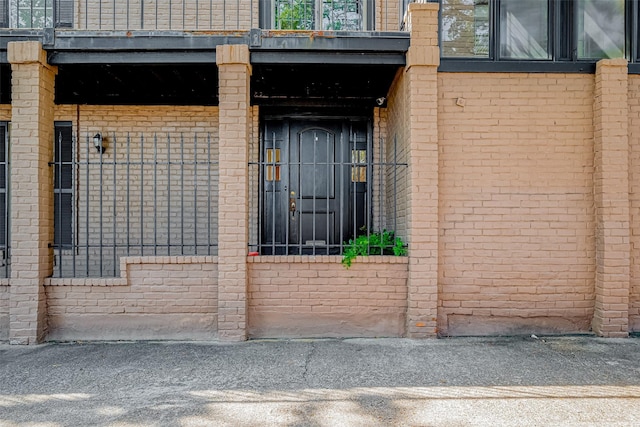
<point>331,15</point>
<point>36,13</point>
<point>524,29</point>
<point>464,28</point>
<point>535,29</point>
<point>601,28</point>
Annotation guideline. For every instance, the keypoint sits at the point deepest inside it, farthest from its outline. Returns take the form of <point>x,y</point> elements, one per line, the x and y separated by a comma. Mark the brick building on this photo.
<point>191,170</point>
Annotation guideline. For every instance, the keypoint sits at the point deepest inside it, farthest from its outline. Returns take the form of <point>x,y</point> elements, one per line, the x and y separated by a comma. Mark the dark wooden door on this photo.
<point>306,184</point>
<point>318,185</point>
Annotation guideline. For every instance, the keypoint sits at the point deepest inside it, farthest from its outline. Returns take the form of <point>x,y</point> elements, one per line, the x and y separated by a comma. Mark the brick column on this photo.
<point>234,71</point>
<point>31,189</point>
<point>421,70</point>
<point>611,189</point>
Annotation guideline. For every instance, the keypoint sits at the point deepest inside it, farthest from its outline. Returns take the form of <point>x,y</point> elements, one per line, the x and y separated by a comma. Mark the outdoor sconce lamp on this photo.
<point>98,142</point>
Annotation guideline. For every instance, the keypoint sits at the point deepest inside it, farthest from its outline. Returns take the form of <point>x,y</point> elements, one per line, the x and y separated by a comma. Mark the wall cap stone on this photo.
<point>423,55</point>
<point>614,62</point>
<point>123,280</point>
<point>325,259</point>
<point>423,5</point>
<point>90,281</point>
<point>27,52</point>
<point>232,54</point>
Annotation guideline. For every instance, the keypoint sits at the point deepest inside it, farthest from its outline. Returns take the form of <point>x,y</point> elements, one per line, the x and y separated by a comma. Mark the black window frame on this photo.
<point>562,42</point>
<point>63,179</point>
<point>63,13</point>
<point>265,15</point>
<point>495,22</point>
<point>4,187</point>
<point>5,200</point>
<point>4,13</point>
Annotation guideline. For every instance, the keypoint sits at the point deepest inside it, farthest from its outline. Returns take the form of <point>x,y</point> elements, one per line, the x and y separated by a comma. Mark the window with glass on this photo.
<point>63,185</point>
<point>337,15</point>
<point>4,200</point>
<point>36,13</point>
<point>524,29</point>
<point>538,30</point>
<point>601,28</point>
<point>359,168</point>
<point>465,28</point>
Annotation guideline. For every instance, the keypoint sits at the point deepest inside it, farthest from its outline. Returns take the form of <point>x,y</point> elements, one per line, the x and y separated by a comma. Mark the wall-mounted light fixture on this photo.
<point>98,142</point>
<point>381,102</point>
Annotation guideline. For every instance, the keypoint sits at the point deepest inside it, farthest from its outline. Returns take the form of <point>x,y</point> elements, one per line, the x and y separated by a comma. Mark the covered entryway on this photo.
<point>314,183</point>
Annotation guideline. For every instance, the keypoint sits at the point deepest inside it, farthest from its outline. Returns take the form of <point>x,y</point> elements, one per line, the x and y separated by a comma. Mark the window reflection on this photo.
<point>524,29</point>
<point>337,15</point>
<point>601,29</point>
<point>465,28</point>
<point>35,13</point>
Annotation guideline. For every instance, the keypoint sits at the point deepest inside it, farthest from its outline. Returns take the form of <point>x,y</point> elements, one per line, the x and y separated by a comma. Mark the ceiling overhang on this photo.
<point>179,67</point>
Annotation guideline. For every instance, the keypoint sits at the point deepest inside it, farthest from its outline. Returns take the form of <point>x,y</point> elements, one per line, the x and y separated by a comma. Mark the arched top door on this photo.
<point>309,197</point>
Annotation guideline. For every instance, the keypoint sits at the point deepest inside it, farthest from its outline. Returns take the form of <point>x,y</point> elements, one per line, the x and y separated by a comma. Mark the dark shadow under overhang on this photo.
<point>137,84</point>
<point>179,67</point>
<point>320,84</point>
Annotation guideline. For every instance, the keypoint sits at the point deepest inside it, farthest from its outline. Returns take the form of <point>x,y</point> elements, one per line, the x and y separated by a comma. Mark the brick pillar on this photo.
<point>611,188</point>
<point>234,71</point>
<point>423,59</point>
<point>31,189</point>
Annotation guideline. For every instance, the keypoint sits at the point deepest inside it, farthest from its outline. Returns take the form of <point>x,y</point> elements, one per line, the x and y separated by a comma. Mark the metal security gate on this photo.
<point>314,189</point>
<point>131,194</point>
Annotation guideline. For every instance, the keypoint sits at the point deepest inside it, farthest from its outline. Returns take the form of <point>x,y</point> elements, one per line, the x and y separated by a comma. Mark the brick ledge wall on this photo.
<point>315,296</point>
<point>157,298</point>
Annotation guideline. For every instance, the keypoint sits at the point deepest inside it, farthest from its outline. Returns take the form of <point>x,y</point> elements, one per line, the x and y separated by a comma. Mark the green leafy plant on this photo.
<point>379,243</point>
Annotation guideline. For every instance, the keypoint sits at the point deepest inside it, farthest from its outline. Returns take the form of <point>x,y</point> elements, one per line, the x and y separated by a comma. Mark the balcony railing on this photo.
<point>204,15</point>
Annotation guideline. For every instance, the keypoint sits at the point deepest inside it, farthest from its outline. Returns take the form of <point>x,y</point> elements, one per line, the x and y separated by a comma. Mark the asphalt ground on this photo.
<point>499,381</point>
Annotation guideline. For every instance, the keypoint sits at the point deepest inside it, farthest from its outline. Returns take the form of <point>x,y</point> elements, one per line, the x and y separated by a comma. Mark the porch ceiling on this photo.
<point>137,84</point>
<point>178,68</point>
<point>319,84</point>
<point>197,84</point>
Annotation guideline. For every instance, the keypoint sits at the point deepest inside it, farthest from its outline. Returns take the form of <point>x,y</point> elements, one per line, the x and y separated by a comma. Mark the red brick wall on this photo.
<point>292,296</point>
<point>517,249</point>
<point>159,298</point>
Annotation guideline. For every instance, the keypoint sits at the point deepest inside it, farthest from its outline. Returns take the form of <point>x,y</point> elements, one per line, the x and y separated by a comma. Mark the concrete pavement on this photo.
<point>512,381</point>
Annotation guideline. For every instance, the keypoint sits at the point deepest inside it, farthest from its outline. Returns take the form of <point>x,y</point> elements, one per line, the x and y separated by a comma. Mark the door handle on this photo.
<point>292,202</point>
